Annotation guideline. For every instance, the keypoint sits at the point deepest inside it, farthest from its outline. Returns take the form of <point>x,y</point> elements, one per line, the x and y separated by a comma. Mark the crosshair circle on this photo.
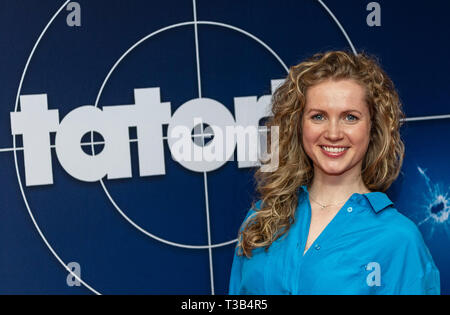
<point>19,89</point>
<point>111,199</point>
<point>25,200</point>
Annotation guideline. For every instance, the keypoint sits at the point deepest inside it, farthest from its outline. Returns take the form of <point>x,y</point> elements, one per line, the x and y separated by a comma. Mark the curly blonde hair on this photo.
<point>278,190</point>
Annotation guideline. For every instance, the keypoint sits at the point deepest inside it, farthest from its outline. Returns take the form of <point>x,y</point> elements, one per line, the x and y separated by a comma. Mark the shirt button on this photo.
<point>317,247</point>
<point>349,209</point>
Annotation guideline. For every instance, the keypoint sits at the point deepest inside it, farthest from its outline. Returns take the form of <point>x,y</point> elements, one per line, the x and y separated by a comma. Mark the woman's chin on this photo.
<point>332,170</point>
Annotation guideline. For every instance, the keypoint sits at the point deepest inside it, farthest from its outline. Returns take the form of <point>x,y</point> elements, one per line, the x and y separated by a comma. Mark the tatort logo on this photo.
<point>35,122</point>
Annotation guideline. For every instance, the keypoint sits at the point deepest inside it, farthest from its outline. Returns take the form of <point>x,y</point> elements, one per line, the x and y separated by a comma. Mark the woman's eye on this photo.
<point>349,117</point>
<point>353,118</point>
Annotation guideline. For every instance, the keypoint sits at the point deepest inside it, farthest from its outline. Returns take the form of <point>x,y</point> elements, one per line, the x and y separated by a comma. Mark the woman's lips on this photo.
<point>333,154</point>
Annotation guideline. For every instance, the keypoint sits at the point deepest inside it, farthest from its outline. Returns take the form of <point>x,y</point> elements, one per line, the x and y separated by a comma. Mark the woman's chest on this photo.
<point>337,269</point>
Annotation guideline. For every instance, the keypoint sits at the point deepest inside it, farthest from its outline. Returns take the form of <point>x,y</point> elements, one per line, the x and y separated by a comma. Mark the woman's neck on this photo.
<point>330,189</point>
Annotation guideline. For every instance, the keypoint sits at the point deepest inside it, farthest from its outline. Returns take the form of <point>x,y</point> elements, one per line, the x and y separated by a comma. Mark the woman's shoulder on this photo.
<point>404,246</point>
<point>398,228</point>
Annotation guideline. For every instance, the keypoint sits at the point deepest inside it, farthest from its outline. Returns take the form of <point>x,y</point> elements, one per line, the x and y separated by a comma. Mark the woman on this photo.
<point>323,224</point>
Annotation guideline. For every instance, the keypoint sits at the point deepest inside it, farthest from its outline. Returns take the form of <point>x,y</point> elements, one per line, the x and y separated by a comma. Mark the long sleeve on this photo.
<point>420,271</point>
<point>412,270</point>
<point>428,284</point>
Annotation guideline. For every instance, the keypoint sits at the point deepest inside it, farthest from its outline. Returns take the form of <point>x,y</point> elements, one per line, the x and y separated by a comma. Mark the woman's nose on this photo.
<point>334,131</point>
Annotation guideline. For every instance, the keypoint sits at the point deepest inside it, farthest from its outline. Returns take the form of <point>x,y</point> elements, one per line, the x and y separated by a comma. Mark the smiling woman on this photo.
<point>336,125</point>
<point>339,119</point>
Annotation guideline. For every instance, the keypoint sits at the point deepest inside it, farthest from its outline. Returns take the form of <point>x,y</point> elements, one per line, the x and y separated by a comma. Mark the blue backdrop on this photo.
<point>70,63</point>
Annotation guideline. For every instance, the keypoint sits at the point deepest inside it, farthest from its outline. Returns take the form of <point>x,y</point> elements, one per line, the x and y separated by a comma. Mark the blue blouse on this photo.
<point>368,248</point>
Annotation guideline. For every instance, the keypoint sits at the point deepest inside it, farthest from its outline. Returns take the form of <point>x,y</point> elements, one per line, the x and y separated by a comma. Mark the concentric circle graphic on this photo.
<point>111,199</point>
<point>195,23</point>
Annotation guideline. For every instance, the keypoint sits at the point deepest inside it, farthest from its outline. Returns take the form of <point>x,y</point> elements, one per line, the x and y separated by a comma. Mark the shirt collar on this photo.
<point>378,200</point>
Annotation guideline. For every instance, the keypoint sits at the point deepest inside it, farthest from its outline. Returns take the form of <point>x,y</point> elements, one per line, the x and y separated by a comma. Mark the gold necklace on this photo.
<point>324,206</point>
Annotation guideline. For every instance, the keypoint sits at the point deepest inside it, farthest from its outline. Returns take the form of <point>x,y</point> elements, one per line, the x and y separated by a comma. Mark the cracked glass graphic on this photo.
<point>434,207</point>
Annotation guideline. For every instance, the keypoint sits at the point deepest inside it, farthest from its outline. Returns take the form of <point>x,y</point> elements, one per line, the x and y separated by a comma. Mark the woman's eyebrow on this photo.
<point>323,111</point>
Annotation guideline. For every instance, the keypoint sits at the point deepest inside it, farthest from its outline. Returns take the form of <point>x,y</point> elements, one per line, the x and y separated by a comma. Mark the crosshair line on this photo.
<point>90,143</point>
<point>426,118</point>
<point>208,135</point>
<point>205,176</point>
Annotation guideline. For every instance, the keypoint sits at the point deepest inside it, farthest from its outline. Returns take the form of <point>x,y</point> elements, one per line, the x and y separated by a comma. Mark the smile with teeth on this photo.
<point>333,150</point>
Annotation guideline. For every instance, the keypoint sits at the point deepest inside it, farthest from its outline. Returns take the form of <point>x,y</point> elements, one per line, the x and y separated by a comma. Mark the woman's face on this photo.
<point>337,119</point>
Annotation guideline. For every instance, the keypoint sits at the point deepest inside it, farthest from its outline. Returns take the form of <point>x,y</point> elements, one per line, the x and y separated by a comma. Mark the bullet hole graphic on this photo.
<point>436,207</point>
